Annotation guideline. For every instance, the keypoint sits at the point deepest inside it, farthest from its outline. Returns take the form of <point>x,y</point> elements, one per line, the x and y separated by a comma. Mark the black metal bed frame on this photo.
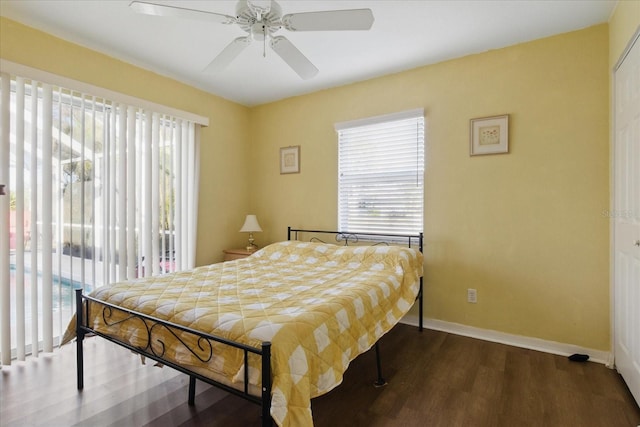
<point>155,348</point>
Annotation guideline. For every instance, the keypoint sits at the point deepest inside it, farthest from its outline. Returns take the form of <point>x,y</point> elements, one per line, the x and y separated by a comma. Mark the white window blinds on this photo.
<point>381,174</point>
<point>98,191</point>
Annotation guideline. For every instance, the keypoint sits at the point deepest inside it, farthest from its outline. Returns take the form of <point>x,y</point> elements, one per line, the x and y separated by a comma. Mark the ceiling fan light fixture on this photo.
<point>258,31</point>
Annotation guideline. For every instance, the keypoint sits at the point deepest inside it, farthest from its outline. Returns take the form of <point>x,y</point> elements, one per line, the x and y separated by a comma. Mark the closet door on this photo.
<point>626,218</point>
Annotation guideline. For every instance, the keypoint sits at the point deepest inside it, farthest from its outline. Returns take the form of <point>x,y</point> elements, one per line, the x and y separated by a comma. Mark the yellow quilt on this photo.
<point>320,305</point>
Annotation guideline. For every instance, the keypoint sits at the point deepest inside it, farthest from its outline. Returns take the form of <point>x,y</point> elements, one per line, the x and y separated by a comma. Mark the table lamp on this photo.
<point>251,226</point>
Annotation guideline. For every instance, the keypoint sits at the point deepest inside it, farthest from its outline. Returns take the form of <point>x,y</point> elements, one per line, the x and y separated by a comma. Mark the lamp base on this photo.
<point>251,246</point>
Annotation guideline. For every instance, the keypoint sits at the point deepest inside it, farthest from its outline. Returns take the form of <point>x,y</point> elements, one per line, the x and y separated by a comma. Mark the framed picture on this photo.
<point>290,159</point>
<point>489,135</point>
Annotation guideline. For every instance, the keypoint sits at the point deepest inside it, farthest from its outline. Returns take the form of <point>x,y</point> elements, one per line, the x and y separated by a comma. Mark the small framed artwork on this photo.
<point>290,159</point>
<point>489,135</point>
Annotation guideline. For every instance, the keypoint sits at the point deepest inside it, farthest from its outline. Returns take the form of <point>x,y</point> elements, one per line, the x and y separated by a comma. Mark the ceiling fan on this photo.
<point>260,19</point>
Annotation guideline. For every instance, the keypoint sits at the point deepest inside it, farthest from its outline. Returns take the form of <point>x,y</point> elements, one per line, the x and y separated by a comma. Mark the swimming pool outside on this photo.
<point>66,278</point>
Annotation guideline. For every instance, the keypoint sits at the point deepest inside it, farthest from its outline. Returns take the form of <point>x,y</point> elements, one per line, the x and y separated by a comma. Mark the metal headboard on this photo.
<point>348,237</point>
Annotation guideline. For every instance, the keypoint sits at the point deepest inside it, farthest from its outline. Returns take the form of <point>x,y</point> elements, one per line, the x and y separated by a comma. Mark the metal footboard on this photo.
<point>204,350</point>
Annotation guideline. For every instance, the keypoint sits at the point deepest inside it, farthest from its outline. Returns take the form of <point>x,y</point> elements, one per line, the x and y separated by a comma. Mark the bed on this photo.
<point>277,328</point>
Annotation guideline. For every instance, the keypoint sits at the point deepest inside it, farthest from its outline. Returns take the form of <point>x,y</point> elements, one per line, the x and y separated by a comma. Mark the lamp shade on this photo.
<point>251,224</point>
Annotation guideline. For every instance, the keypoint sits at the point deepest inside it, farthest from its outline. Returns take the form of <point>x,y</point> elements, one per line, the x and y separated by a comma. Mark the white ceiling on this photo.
<point>406,34</point>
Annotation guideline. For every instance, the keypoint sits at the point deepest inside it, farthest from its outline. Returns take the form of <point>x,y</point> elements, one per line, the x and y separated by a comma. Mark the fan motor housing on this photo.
<point>269,23</point>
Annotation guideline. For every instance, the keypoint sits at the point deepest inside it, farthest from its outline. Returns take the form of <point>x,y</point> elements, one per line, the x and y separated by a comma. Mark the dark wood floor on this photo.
<point>435,379</point>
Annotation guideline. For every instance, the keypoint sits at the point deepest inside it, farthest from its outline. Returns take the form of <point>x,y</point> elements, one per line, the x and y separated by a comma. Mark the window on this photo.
<point>98,190</point>
<point>381,174</point>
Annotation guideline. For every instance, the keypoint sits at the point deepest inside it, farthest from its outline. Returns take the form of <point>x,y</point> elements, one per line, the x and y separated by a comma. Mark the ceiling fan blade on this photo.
<point>155,9</point>
<point>227,55</point>
<point>330,20</point>
<point>292,56</point>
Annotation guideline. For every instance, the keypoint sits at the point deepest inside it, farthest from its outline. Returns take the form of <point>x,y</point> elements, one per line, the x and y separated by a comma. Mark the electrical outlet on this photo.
<point>472,295</point>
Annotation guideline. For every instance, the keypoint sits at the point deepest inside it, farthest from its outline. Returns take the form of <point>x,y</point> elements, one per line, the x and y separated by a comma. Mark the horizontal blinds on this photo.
<point>381,174</point>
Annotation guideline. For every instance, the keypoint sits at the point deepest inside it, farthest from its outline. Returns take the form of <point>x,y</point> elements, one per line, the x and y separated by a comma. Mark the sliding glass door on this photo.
<point>96,192</point>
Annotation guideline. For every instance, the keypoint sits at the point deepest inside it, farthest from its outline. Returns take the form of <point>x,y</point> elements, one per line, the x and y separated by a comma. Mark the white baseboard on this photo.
<point>530,343</point>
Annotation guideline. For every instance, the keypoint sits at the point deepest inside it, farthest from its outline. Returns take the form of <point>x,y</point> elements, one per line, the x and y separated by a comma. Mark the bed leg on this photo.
<point>420,307</point>
<point>79,340</point>
<point>266,384</point>
<point>192,390</point>
<point>380,381</point>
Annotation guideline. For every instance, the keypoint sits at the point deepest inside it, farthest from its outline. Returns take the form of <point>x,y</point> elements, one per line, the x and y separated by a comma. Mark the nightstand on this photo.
<point>231,254</point>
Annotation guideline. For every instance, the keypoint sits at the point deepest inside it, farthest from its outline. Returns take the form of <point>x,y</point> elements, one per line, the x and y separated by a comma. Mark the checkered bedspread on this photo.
<point>320,305</point>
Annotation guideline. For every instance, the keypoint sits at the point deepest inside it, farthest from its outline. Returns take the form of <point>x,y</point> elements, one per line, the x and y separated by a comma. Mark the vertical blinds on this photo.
<point>381,174</point>
<point>97,191</point>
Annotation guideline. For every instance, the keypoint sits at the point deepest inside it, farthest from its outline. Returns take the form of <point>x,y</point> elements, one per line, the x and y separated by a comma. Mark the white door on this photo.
<point>626,218</point>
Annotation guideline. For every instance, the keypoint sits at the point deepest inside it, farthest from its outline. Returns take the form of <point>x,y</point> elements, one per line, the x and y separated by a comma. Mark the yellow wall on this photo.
<point>624,22</point>
<point>525,229</point>
<point>224,144</point>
